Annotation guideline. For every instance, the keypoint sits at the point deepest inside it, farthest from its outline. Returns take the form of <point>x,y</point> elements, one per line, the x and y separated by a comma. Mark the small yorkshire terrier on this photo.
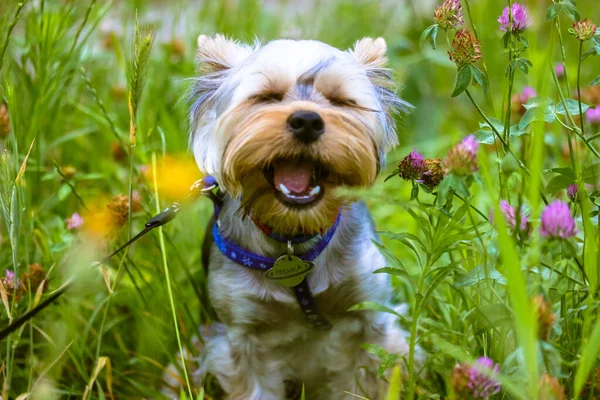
<point>281,127</point>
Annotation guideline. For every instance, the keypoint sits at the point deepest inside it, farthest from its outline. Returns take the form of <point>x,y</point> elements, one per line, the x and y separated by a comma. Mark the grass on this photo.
<point>94,102</point>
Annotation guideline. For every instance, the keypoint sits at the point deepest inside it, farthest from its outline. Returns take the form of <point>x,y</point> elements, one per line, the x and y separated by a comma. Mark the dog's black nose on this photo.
<point>306,126</point>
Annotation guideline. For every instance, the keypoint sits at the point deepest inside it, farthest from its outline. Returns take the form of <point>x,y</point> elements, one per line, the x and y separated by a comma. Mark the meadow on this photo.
<point>491,239</point>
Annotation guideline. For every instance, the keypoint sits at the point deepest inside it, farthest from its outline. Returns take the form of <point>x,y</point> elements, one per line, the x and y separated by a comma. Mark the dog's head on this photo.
<point>281,126</point>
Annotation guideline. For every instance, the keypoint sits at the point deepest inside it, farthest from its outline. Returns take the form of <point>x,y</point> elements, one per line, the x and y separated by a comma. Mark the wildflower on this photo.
<point>572,192</point>
<point>583,30</point>
<point>68,171</point>
<point>509,214</point>
<point>462,158</point>
<point>473,381</point>
<point>119,208</point>
<point>545,316</point>
<point>593,115</point>
<point>74,222</point>
<point>550,388</point>
<point>34,278</point>
<point>520,19</point>
<point>412,166</point>
<point>175,176</point>
<point>557,221</point>
<point>4,121</point>
<point>434,174</point>
<point>559,69</point>
<point>465,48</point>
<point>118,151</point>
<point>12,285</point>
<point>177,47</point>
<point>449,15</point>
<point>519,99</point>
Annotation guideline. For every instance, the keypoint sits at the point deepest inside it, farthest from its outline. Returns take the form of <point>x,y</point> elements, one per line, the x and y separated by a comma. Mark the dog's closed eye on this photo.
<point>268,97</point>
<point>347,103</point>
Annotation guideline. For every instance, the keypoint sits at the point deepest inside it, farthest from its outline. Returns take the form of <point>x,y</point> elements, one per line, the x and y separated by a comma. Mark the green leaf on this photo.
<point>478,274</point>
<point>389,256</point>
<point>589,352</point>
<point>431,34</point>
<point>463,80</point>
<point>391,271</point>
<point>414,193</point>
<point>396,172</point>
<point>596,82</point>
<point>566,171</point>
<point>538,109</point>
<point>572,12</point>
<point>558,183</point>
<point>387,360</point>
<point>539,102</point>
<point>515,131</point>
<point>591,173</point>
<point>553,11</point>
<point>485,136</point>
<point>371,306</point>
<point>572,107</point>
<point>499,125</point>
<point>480,78</point>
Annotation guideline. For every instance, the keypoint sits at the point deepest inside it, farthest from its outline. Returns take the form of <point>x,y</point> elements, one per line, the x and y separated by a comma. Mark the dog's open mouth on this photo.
<point>297,182</point>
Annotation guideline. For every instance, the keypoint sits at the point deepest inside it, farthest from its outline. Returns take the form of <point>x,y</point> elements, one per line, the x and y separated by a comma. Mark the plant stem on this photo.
<point>472,206</point>
<point>10,29</point>
<point>485,70</point>
<point>163,251</point>
<point>579,88</point>
<point>575,128</point>
<point>413,334</point>
<point>511,80</point>
<point>563,53</point>
<point>487,120</point>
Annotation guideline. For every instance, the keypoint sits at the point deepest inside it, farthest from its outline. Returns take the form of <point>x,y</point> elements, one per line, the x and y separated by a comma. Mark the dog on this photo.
<point>280,127</point>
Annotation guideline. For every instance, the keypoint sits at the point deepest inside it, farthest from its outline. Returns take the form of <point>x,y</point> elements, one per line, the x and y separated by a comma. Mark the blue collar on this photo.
<point>248,259</point>
<point>252,260</point>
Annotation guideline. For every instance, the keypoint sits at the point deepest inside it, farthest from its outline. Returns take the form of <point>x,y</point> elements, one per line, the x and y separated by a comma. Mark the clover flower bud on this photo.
<point>583,30</point>
<point>449,15</point>
<point>462,158</point>
<point>465,48</point>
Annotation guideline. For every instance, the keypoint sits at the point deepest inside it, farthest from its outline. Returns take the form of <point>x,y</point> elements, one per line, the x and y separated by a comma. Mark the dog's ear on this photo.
<point>370,52</point>
<point>217,54</point>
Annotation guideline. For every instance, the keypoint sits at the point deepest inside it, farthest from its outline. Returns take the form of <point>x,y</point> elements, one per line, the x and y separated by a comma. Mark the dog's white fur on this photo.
<point>264,339</point>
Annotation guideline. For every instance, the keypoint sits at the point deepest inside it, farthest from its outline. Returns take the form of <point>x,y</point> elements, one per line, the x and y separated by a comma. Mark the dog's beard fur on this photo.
<point>259,138</point>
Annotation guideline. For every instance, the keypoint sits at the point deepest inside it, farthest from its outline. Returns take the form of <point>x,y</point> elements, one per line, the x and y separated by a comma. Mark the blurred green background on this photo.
<point>64,78</point>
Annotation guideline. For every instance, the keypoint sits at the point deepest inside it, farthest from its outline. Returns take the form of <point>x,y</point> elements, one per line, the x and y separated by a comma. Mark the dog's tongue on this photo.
<point>294,175</point>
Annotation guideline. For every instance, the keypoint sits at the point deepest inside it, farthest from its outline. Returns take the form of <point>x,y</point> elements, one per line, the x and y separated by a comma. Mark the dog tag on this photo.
<point>289,270</point>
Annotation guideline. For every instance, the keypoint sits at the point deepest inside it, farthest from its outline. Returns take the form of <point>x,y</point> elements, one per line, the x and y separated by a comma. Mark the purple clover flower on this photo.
<point>572,192</point>
<point>593,115</point>
<point>74,222</point>
<point>557,221</point>
<point>412,167</point>
<point>520,19</point>
<point>559,69</point>
<point>462,158</point>
<point>482,385</point>
<point>474,381</point>
<point>509,213</point>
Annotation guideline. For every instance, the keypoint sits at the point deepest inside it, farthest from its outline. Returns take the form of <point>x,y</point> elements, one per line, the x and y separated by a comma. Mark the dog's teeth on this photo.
<point>284,190</point>
<point>315,190</point>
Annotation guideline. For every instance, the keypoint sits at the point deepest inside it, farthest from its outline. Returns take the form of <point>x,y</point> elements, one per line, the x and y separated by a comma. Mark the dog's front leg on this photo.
<point>244,367</point>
